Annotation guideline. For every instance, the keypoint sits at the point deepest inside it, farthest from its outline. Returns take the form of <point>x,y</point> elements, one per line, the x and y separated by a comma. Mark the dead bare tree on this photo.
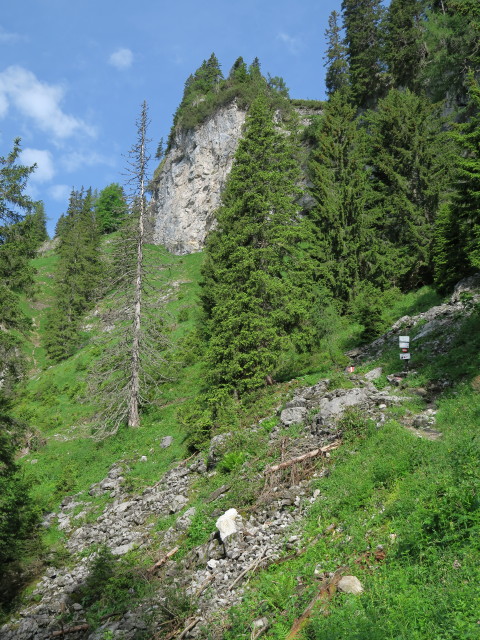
<point>135,341</point>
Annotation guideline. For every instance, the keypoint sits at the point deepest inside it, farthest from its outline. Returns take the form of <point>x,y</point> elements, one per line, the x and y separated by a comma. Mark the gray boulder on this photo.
<point>293,415</point>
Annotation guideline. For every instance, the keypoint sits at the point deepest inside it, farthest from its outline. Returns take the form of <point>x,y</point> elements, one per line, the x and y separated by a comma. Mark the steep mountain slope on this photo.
<point>339,477</point>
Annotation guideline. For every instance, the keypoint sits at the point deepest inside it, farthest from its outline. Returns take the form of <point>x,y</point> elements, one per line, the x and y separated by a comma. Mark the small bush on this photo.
<point>355,425</point>
<point>232,461</point>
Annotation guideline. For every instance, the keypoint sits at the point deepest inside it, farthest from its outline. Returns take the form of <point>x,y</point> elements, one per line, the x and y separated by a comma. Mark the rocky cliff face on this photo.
<point>188,189</point>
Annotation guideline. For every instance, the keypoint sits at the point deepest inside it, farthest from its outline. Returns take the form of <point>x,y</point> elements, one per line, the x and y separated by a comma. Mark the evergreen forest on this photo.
<point>343,224</point>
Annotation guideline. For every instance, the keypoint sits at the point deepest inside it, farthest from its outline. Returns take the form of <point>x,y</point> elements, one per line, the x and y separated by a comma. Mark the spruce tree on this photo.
<point>255,291</point>
<point>78,275</point>
<point>405,49</point>
<point>14,202</point>
<point>364,41</point>
<point>452,35</point>
<point>133,360</point>
<point>344,248</point>
<point>336,78</point>
<point>457,247</point>
<point>17,512</point>
<point>110,208</point>
<point>410,159</point>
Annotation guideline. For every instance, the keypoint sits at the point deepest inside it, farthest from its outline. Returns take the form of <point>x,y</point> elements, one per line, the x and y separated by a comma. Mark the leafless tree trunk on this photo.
<point>139,169</point>
<point>133,361</point>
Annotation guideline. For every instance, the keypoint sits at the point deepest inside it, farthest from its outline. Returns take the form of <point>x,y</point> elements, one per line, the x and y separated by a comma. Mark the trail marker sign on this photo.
<point>404,345</point>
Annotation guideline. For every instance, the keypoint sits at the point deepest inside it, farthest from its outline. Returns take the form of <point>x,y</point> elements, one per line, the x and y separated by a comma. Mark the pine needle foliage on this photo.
<point>78,276</point>
<point>410,159</point>
<point>405,49</point>
<point>364,41</point>
<point>255,287</point>
<point>340,187</point>
<point>14,202</point>
<point>457,245</point>
<point>336,78</point>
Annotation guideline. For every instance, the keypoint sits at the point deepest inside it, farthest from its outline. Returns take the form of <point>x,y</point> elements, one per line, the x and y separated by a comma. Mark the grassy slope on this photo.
<point>382,482</point>
<point>71,461</point>
<point>418,499</point>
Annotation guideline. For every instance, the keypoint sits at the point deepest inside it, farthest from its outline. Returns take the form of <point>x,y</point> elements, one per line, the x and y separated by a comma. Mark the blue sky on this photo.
<point>73,74</point>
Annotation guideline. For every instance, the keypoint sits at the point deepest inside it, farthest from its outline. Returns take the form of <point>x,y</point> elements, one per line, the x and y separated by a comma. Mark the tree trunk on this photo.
<point>134,401</point>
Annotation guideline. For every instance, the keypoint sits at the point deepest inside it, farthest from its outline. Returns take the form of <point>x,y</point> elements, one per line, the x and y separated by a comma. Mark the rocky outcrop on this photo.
<point>187,190</point>
<point>433,330</point>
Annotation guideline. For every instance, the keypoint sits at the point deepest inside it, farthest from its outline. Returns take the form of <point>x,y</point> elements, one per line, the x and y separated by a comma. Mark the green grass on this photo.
<point>417,498</point>
<point>71,460</point>
<point>388,482</point>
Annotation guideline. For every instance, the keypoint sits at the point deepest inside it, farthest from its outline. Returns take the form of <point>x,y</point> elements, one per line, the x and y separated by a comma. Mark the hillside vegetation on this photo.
<point>226,444</point>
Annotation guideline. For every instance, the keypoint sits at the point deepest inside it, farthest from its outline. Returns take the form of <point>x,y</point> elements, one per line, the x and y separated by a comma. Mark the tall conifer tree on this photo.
<point>410,161</point>
<point>336,56</point>
<point>405,49</point>
<point>339,177</point>
<point>363,37</point>
<point>17,513</point>
<point>133,361</point>
<point>255,291</point>
<point>78,275</point>
<point>457,248</point>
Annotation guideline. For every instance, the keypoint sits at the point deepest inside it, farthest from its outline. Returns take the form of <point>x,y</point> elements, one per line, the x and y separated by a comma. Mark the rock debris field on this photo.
<point>214,573</point>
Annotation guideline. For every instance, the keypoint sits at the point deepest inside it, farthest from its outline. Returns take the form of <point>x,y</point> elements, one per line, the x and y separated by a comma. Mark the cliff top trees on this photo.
<point>364,50</point>
<point>254,289</point>
<point>207,90</point>
<point>336,56</point>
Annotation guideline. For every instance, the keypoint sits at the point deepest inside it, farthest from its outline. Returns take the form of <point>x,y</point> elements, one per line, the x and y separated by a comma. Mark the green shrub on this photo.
<point>232,461</point>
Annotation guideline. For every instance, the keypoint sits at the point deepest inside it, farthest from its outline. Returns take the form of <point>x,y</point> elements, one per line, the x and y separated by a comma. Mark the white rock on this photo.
<point>166,442</point>
<point>228,523</point>
<point>350,584</point>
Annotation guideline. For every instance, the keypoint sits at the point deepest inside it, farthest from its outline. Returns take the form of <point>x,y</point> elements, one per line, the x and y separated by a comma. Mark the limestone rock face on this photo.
<point>193,175</point>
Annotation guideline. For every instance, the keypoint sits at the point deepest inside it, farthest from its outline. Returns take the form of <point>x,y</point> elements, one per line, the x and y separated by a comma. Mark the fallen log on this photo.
<point>163,560</point>
<point>306,456</point>
<point>63,632</point>
<point>190,626</point>
<point>326,592</point>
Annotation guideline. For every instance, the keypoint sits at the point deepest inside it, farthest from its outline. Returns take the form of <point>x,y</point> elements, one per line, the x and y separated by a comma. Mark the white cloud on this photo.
<point>7,37</point>
<point>60,192</point>
<point>3,105</point>
<point>40,102</point>
<point>44,161</point>
<point>121,59</point>
<point>294,45</point>
<point>77,159</point>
